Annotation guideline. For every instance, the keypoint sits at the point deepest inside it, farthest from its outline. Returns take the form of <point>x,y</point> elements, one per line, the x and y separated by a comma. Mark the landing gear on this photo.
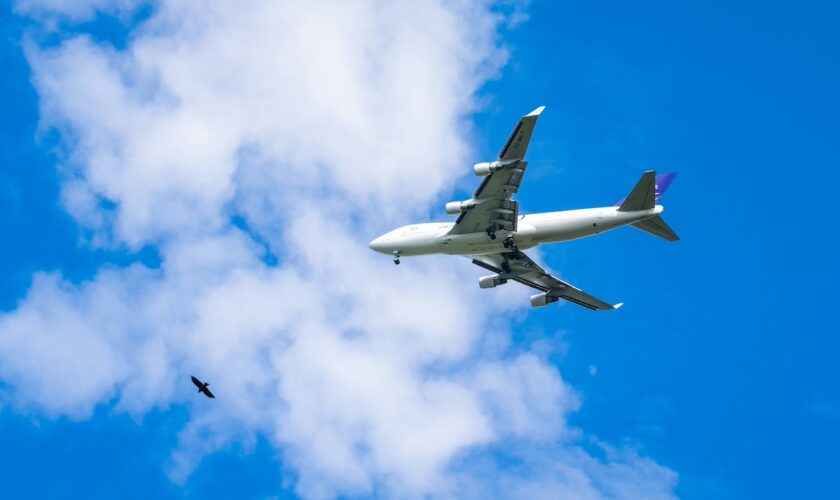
<point>509,243</point>
<point>396,257</point>
<point>491,232</point>
<point>505,264</point>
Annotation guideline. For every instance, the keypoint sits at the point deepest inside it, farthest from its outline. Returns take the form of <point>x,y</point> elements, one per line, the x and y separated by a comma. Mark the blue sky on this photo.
<point>720,367</point>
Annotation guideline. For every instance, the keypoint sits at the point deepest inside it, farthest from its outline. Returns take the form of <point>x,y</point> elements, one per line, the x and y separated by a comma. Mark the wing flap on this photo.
<point>581,298</point>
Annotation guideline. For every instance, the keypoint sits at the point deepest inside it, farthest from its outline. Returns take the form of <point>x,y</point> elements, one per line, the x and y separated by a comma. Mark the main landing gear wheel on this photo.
<point>491,233</point>
<point>509,242</point>
<point>506,265</point>
<point>396,258</point>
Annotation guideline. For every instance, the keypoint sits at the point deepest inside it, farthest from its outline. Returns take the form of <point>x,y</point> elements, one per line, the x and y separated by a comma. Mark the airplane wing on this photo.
<point>492,203</point>
<point>519,267</point>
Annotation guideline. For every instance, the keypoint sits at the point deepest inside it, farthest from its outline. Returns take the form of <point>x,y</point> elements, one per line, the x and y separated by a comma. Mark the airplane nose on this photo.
<point>377,245</point>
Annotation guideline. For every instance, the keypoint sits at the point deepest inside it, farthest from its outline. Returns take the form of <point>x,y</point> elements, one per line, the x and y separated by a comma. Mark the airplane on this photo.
<point>491,230</point>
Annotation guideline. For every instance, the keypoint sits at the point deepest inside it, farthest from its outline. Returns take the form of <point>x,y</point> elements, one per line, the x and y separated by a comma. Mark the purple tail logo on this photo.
<point>662,183</point>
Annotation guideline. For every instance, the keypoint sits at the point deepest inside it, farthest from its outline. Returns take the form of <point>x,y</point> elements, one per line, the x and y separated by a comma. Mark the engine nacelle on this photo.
<point>456,207</point>
<point>487,168</point>
<point>491,281</point>
<point>543,299</point>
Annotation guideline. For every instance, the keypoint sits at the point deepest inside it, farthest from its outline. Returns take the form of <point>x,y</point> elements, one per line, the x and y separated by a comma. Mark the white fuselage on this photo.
<point>533,229</point>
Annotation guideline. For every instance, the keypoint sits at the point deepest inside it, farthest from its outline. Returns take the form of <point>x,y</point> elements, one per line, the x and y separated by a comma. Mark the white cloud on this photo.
<point>319,124</point>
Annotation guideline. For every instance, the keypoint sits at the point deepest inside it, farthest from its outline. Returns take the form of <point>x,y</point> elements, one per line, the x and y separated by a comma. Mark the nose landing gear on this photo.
<point>397,257</point>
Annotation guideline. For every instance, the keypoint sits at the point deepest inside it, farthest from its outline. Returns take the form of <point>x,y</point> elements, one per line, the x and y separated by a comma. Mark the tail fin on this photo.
<point>657,227</point>
<point>644,196</point>
<point>647,192</point>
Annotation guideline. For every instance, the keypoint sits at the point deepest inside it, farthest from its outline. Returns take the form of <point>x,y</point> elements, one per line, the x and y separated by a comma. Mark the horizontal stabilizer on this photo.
<point>657,227</point>
<point>643,195</point>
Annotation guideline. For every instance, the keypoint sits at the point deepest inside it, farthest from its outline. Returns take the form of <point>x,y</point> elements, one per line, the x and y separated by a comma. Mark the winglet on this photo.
<point>536,112</point>
<point>617,306</point>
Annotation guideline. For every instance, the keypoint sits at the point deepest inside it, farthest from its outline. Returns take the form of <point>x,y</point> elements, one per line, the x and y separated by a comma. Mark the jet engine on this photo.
<point>487,168</point>
<point>491,281</point>
<point>543,299</point>
<point>456,207</point>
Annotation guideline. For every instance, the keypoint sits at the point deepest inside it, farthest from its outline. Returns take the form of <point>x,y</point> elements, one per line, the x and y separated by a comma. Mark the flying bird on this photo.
<point>202,387</point>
